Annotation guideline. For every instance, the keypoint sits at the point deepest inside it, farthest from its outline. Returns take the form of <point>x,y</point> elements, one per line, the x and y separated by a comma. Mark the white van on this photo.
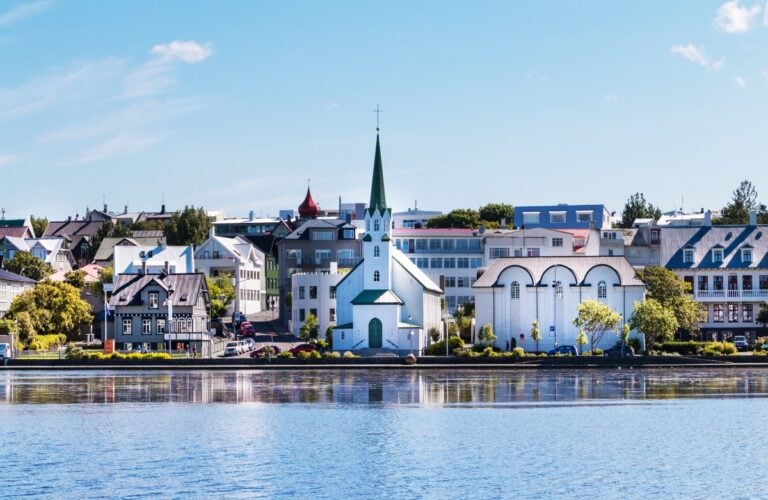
<point>5,351</point>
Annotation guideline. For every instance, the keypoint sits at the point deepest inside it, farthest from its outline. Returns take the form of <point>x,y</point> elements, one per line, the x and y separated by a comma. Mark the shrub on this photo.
<point>303,354</point>
<point>350,355</point>
<point>586,353</point>
<point>46,342</point>
<point>597,352</point>
<point>518,352</point>
<point>481,348</point>
<point>333,354</point>
<point>710,352</point>
<point>634,343</point>
<point>434,334</point>
<point>285,354</point>
<point>490,353</point>
<point>438,348</point>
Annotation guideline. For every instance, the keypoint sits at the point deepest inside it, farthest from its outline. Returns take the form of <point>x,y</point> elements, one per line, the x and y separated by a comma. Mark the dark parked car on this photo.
<point>247,329</point>
<point>563,350</point>
<point>619,351</point>
<point>295,350</point>
<point>261,352</point>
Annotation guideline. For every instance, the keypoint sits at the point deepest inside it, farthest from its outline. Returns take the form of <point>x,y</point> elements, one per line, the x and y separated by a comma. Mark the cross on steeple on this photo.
<point>377,111</point>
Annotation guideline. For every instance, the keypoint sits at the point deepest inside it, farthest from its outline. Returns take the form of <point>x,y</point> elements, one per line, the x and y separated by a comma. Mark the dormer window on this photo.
<point>688,256</point>
<point>717,255</point>
<point>746,255</point>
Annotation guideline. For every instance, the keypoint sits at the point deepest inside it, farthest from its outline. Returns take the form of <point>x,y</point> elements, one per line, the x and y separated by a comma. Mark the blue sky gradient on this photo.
<point>516,102</point>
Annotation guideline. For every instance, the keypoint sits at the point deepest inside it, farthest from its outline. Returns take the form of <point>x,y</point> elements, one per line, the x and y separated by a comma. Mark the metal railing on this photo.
<point>731,294</point>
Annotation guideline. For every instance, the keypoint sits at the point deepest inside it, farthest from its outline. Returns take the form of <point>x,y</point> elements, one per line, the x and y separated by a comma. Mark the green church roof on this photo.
<point>378,196</point>
<point>376,297</point>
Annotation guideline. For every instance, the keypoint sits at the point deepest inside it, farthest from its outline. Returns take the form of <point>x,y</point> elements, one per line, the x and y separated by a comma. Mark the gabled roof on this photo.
<point>731,239</point>
<point>411,268</point>
<point>186,288</point>
<point>376,297</point>
<point>9,276</point>
<point>302,233</point>
<point>92,273</point>
<point>17,232</point>
<point>73,228</point>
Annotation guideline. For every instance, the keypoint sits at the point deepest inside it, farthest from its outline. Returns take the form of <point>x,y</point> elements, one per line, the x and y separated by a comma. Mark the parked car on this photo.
<point>295,350</point>
<point>238,317</point>
<point>260,353</point>
<point>247,329</point>
<point>6,352</point>
<point>740,342</point>
<point>249,343</point>
<point>563,350</point>
<point>619,351</point>
<point>232,349</point>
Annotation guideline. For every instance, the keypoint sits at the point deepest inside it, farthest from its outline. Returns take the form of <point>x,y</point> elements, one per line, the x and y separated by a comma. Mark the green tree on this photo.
<point>743,200</point>
<point>434,334</point>
<point>191,226</point>
<point>486,334</point>
<point>581,340</point>
<point>673,293</point>
<point>105,276</point>
<point>459,218</point>
<point>38,225</point>
<point>222,293</point>
<point>625,333</point>
<point>75,278</point>
<point>496,212</point>
<point>50,307</point>
<point>26,264</point>
<point>107,230</point>
<point>637,208</point>
<point>596,318</point>
<point>147,225</point>
<point>657,322</point>
<point>309,329</point>
<point>536,334</point>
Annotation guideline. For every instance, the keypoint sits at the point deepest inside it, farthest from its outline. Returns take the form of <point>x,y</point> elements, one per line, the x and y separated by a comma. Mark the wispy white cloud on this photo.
<point>24,11</point>
<point>7,159</point>
<point>732,17</point>
<point>188,52</point>
<point>120,145</point>
<point>696,54</point>
<point>740,82</point>
<point>80,81</point>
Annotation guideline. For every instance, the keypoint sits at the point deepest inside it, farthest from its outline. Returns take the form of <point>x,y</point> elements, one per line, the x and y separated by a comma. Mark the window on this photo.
<point>557,217</point>
<point>447,244</point>
<point>436,263</point>
<point>717,283</point>
<point>532,252</point>
<point>688,280</point>
<point>733,282</point>
<point>349,234</point>
<point>602,290</point>
<point>367,226</point>
<point>422,262</point>
<point>654,236</point>
<point>302,292</point>
<point>463,262</point>
<point>557,242</point>
<point>313,312</point>
<point>376,251</point>
<point>703,283</point>
<point>146,326</point>
<point>450,281</point>
<point>717,255</point>
<point>746,313</point>
<point>312,292</point>
<point>449,263</point>
<point>746,254</point>
<point>160,325</point>
<point>332,292</point>
<point>3,292</point>
<point>302,315</point>
<point>433,244</point>
<point>377,225</point>
<point>450,302</point>
<point>530,217</point>
<point>518,252</point>
<point>322,235</point>
<point>717,313</point>
<point>332,314</point>
<point>515,290</point>
<point>475,262</point>
<point>585,216</point>
<point>126,326</point>
<point>763,281</point>
<point>688,256</point>
<point>462,282</point>
<point>322,256</point>
<point>746,282</point>
<point>498,253</point>
<point>422,244</point>
<point>462,245</point>
<point>559,291</point>
<point>154,300</point>
<point>376,276</point>
<point>733,313</point>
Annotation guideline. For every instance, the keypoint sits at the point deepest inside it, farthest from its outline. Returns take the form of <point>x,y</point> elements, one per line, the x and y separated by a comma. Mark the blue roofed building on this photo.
<point>563,216</point>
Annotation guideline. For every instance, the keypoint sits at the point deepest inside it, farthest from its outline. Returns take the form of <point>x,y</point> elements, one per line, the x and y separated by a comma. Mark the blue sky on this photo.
<point>233,105</point>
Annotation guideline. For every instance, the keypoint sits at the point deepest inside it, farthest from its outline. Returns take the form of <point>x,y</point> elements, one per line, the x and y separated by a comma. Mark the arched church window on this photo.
<point>376,251</point>
<point>515,290</point>
<point>376,276</point>
<point>376,225</point>
<point>602,290</point>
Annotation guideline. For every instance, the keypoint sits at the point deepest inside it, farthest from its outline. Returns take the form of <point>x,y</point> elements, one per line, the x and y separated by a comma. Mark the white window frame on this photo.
<point>531,218</point>
<point>557,242</point>
<point>514,290</point>
<point>127,326</point>
<point>558,215</point>
<point>589,213</point>
<point>688,256</point>
<point>718,255</point>
<point>146,326</point>
<point>746,254</point>
<point>602,290</point>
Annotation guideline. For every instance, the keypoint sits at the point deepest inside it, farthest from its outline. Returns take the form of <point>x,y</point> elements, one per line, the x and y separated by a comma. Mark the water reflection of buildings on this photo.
<point>381,387</point>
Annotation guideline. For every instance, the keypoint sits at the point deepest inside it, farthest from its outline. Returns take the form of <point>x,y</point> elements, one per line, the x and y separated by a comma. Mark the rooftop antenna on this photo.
<point>2,214</point>
<point>377,111</point>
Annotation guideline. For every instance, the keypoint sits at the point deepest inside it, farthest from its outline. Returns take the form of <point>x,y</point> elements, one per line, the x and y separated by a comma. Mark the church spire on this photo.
<point>378,196</point>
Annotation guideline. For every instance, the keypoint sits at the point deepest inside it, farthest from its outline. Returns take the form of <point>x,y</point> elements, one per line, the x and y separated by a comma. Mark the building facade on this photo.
<point>315,293</point>
<point>12,285</point>
<point>563,216</point>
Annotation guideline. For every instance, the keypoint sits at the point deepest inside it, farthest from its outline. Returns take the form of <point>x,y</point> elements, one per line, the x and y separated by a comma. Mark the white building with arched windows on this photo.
<point>515,292</point>
<point>386,301</point>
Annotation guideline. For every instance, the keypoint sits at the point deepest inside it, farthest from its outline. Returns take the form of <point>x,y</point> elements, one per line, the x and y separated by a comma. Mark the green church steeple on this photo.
<point>378,196</point>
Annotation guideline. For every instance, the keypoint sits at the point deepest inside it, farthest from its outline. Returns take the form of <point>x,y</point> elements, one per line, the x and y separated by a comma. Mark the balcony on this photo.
<point>315,263</point>
<point>713,295</point>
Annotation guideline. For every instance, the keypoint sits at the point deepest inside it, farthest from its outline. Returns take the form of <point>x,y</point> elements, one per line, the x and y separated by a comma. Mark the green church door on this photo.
<point>374,333</point>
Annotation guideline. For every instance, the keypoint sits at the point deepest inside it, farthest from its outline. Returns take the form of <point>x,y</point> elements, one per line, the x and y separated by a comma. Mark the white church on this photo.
<point>385,302</point>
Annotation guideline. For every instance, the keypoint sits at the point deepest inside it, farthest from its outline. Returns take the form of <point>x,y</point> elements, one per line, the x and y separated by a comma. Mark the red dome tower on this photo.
<point>308,208</point>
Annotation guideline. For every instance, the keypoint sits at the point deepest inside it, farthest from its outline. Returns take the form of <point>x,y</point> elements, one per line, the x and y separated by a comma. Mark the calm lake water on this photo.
<point>384,434</point>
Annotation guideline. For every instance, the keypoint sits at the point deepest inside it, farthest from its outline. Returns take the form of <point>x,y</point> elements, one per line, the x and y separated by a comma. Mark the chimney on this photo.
<point>167,268</point>
<point>212,231</point>
<point>752,218</point>
<point>348,218</point>
<point>69,218</point>
<point>708,218</point>
<point>105,208</point>
<point>251,215</point>
<point>125,209</point>
<point>143,267</point>
<point>162,208</point>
